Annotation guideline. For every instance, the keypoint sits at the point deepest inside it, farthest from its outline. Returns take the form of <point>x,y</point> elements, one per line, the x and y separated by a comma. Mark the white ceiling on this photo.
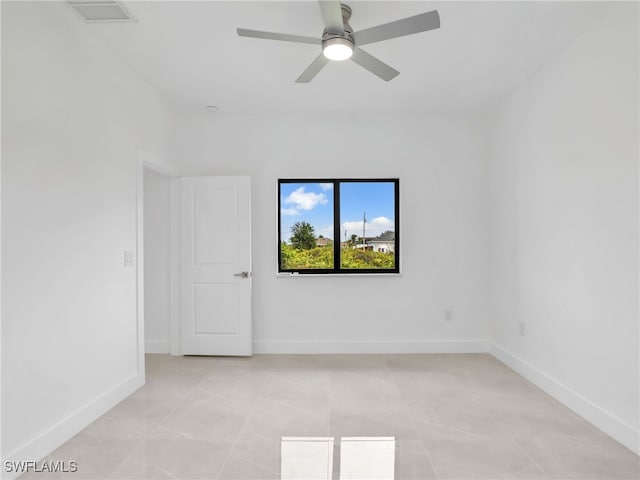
<point>190,51</point>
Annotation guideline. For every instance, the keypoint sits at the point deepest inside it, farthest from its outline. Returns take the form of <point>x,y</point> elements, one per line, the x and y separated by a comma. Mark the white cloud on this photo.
<point>290,211</point>
<point>326,186</point>
<point>382,222</point>
<point>305,200</point>
<point>372,229</point>
<point>353,228</point>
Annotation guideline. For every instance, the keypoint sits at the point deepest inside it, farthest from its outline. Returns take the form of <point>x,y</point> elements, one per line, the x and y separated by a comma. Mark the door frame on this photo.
<point>150,162</point>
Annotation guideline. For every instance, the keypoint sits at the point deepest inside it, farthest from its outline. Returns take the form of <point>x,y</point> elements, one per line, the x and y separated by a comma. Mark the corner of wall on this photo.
<point>606,421</point>
<point>66,428</point>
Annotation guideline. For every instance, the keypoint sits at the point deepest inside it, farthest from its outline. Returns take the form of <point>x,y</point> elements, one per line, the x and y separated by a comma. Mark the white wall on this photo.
<point>157,255</point>
<point>441,163</point>
<point>564,207</point>
<point>73,118</point>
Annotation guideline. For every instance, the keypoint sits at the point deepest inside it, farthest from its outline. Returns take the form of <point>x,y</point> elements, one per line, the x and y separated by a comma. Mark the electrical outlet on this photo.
<point>448,315</point>
<point>521,328</point>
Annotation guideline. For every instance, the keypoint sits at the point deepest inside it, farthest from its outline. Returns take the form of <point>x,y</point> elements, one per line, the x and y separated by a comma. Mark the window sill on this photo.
<point>333,275</point>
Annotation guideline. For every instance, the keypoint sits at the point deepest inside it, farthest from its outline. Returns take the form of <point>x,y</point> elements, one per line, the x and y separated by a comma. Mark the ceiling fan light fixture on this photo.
<point>337,49</point>
<point>339,41</point>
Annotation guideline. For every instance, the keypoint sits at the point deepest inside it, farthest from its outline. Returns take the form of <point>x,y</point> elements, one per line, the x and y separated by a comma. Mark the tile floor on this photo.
<point>454,416</point>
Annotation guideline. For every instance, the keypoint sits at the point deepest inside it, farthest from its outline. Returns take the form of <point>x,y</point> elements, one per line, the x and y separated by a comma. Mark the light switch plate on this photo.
<point>128,258</point>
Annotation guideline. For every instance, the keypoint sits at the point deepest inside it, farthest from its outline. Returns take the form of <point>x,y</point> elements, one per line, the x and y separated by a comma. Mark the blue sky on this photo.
<point>313,203</point>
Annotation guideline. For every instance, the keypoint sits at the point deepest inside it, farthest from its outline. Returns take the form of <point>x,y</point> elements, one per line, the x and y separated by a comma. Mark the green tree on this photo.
<point>303,236</point>
<point>388,235</point>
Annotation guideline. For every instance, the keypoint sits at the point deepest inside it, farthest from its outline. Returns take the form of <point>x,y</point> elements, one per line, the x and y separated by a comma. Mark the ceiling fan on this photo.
<point>340,42</point>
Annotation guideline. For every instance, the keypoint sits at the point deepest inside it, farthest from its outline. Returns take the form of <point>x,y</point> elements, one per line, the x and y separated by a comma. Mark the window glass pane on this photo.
<point>368,225</point>
<point>306,226</point>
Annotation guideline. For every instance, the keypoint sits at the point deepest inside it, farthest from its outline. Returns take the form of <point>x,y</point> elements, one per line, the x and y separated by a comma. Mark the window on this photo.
<point>338,226</point>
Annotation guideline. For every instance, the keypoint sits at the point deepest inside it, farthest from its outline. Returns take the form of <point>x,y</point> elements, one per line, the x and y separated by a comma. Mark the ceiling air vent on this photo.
<point>94,11</point>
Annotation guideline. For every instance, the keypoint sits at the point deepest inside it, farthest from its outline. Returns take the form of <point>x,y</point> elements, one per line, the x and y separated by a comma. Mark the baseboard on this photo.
<point>616,428</point>
<point>157,346</point>
<point>426,346</point>
<point>61,432</point>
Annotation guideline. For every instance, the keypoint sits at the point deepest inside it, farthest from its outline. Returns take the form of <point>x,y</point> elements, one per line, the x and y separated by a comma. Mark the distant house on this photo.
<point>323,242</point>
<point>383,246</point>
<point>385,243</point>
<point>360,245</point>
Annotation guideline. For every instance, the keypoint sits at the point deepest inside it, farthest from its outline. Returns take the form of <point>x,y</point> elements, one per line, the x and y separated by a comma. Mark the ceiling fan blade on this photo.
<point>332,16</point>
<point>375,66</point>
<point>285,37</point>
<point>313,69</point>
<point>399,28</point>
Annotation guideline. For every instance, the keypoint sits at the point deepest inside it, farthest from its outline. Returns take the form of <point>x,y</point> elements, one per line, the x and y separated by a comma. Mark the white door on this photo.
<point>215,266</point>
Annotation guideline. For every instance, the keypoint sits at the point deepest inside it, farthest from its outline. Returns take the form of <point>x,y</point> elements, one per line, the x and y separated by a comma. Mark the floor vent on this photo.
<point>101,11</point>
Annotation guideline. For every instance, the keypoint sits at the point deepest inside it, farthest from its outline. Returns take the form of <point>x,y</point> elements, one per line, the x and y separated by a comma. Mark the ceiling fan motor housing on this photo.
<point>345,38</point>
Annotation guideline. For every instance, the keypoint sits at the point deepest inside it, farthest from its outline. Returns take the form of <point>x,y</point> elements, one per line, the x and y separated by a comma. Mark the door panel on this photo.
<point>216,309</point>
<point>215,211</point>
<point>215,303</point>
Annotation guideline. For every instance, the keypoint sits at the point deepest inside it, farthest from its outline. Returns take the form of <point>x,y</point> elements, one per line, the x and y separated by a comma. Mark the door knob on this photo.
<point>241,274</point>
